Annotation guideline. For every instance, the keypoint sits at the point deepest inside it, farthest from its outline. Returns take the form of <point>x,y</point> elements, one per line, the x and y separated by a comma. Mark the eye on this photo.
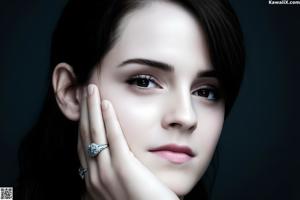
<point>211,94</point>
<point>143,81</point>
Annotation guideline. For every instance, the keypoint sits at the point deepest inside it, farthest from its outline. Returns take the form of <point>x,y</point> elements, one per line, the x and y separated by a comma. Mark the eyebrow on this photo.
<point>149,63</point>
<point>165,67</point>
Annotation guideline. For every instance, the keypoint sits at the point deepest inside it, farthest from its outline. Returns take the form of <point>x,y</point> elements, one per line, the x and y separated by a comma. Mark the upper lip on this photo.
<point>174,148</point>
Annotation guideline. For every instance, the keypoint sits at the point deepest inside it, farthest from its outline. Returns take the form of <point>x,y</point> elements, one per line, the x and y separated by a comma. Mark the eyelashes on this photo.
<point>143,81</point>
<point>211,94</point>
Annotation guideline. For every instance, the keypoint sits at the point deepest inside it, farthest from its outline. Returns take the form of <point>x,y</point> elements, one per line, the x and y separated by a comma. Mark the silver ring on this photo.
<point>82,171</point>
<point>95,149</point>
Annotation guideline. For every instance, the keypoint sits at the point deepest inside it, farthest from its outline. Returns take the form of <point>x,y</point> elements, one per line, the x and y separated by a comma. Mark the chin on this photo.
<point>181,189</point>
<point>181,185</point>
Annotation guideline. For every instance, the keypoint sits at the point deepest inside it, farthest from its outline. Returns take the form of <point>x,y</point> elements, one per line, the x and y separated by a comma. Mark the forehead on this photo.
<point>162,31</point>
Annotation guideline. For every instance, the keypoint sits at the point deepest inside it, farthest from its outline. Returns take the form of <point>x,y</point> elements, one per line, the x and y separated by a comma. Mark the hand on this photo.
<point>115,173</point>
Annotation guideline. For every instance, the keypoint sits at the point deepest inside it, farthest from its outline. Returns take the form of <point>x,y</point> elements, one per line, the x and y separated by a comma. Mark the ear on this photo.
<point>67,93</point>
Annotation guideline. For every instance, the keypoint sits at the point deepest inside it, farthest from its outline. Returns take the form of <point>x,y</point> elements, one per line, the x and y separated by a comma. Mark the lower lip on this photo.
<point>174,157</point>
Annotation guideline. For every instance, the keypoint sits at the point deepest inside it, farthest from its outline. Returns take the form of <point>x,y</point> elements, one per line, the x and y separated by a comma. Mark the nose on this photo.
<point>180,114</point>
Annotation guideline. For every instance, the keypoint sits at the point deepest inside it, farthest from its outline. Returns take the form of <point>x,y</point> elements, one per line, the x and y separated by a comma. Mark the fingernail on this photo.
<point>104,105</point>
<point>90,90</point>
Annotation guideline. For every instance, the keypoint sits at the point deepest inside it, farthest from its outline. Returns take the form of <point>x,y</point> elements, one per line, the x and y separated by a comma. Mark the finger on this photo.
<point>98,136</point>
<point>82,159</point>
<point>92,180</point>
<point>96,124</point>
<point>84,125</point>
<point>85,137</point>
<point>92,186</point>
<point>118,145</point>
<point>97,130</point>
<point>84,140</point>
<point>81,153</point>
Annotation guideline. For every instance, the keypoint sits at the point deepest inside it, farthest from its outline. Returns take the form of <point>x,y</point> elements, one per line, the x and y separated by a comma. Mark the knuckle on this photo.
<point>82,129</point>
<point>94,182</point>
<point>93,130</point>
<point>105,177</point>
<point>118,171</point>
<point>89,187</point>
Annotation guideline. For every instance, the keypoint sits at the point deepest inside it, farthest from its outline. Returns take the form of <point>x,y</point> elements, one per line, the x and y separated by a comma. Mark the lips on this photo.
<point>174,153</point>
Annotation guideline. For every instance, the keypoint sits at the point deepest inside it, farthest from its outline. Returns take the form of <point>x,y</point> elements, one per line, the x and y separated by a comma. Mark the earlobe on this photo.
<point>67,92</point>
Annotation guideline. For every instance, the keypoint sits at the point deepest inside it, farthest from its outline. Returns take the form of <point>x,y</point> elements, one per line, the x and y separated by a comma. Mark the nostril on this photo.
<point>192,128</point>
<point>178,125</point>
<point>175,125</point>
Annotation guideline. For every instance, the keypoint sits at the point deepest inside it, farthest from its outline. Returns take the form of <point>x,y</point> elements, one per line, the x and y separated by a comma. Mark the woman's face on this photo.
<point>161,83</point>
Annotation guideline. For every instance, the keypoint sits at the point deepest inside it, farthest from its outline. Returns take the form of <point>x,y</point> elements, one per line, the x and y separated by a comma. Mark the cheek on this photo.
<point>209,128</point>
<point>136,117</point>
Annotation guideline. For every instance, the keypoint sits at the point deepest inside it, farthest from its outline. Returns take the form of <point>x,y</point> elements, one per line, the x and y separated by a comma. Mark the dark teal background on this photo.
<point>259,148</point>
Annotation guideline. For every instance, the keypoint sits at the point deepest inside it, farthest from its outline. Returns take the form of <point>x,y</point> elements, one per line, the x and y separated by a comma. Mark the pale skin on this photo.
<point>134,107</point>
